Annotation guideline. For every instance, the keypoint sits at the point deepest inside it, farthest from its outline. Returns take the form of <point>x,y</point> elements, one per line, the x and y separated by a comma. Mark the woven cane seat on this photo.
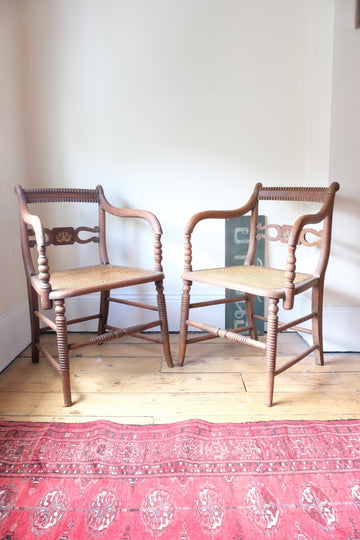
<point>254,279</point>
<point>67,283</point>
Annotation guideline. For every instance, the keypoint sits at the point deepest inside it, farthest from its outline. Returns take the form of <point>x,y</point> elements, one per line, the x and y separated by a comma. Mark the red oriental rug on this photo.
<point>185,481</point>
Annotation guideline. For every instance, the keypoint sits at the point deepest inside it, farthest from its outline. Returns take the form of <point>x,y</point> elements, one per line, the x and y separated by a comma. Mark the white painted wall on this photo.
<point>344,270</point>
<point>344,163</point>
<point>177,106</point>
<point>13,337</point>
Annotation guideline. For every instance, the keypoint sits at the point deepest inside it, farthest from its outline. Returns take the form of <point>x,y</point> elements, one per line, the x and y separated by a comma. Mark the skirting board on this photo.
<point>341,324</point>
<point>340,329</point>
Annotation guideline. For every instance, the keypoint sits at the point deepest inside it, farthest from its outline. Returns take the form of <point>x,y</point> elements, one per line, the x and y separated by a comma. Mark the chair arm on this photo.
<point>214,214</point>
<point>42,281</point>
<point>293,242</point>
<point>223,214</point>
<point>317,217</point>
<point>130,212</point>
<point>141,214</point>
<point>294,239</point>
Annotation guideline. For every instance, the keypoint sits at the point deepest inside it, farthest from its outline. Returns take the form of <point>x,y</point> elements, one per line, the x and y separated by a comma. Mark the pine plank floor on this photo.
<point>127,381</point>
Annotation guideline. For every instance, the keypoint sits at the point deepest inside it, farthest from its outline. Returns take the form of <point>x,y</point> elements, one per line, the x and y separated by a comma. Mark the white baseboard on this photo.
<point>340,327</point>
<point>341,324</point>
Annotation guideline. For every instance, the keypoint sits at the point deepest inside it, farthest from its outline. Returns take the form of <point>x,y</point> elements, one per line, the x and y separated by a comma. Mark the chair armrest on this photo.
<point>317,217</point>
<point>136,213</point>
<point>223,214</point>
<point>42,280</point>
<point>215,214</point>
<point>129,212</point>
<point>294,239</point>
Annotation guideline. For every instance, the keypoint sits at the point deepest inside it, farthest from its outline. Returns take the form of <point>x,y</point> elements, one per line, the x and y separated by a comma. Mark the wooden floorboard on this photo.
<point>127,381</point>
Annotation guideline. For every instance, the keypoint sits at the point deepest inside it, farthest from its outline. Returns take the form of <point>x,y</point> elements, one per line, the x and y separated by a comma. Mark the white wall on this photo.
<point>175,106</point>
<point>13,337</point>
<point>171,105</point>
<point>344,164</point>
<point>344,270</point>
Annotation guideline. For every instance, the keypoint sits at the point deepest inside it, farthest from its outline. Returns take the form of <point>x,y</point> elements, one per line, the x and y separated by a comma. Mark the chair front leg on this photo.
<point>271,349</point>
<point>184,315</point>
<point>63,350</point>
<point>163,322</point>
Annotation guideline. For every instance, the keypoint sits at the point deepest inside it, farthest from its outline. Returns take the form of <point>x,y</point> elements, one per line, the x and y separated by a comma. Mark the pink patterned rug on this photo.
<point>185,481</point>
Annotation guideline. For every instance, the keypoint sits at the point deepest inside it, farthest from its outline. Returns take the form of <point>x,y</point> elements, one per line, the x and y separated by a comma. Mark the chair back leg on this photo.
<point>103,312</point>
<point>250,312</point>
<point>33,300</point>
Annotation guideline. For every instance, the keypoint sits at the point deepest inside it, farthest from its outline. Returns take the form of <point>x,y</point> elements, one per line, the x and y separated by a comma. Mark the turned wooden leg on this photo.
<point>104,311</point>
<point>184,315</point>
<point>317,331</point>
<point>271,349</point>
<point>63,350</point>
<point>164,322</point>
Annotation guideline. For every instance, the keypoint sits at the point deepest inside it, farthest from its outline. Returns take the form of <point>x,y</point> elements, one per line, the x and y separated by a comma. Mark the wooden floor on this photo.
<point>127,381</point>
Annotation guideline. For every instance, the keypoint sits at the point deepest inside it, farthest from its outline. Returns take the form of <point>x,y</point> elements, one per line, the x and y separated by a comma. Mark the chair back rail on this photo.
<point>306,194</point>
<point>41,195</point>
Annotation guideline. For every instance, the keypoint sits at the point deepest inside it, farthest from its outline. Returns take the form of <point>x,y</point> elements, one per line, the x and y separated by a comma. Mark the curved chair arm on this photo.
<point>214,214</point>
<point>223,214</point>
<point>41,281</point>
<point>319,216</point>
<point>294,238</point>
<point>135,213</point>
<point>35,222</point>
<point>129,212</point>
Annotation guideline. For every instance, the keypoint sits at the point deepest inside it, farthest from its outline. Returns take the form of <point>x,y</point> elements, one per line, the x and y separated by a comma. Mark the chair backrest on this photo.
<point>34,234</point>
<point>308,229</point>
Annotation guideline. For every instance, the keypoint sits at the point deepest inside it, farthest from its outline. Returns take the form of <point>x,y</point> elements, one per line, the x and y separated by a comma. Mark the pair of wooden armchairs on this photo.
<point>48,288</point>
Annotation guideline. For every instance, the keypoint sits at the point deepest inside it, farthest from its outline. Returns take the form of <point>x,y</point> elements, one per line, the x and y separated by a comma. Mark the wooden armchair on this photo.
<point>50,287</point>
<point>283,282</point>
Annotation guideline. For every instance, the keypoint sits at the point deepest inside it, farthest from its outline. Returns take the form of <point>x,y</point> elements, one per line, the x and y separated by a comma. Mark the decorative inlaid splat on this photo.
<point>61,236</point>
